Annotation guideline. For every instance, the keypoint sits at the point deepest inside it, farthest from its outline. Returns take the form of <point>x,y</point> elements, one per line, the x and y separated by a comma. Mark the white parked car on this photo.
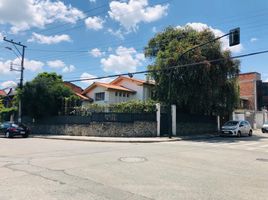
<point>236,128</point>
<point>264,128</point>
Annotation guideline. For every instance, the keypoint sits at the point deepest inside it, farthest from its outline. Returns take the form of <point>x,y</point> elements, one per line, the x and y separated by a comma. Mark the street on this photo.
<point>216,168</point>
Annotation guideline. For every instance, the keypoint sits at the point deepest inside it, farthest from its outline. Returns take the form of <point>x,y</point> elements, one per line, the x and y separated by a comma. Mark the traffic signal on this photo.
<point>234,37</point>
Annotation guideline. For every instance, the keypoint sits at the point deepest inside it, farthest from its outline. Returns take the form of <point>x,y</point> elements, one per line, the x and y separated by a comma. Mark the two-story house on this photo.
<point>119,90</point>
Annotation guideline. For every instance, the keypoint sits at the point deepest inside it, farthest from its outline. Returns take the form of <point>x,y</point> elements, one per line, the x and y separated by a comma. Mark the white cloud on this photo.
<point>22,15</point>
<point>154,30</point>
<point>56,64</point>
<point>1,37</point>
<point>92,1</point>
<point>253,39</point>
<point>68,69</point>
<point>225,41</point>
<point>42,39</point>
<point>96,52</point>
<point>59,64</point>
<point>86,75</point>
<point>125,60</point>
<point>8,84</point>
<point>118,33</point>
<point>130,14</point>
<point>31,65</point>
<point>94,23</point>
<point>5,67</point>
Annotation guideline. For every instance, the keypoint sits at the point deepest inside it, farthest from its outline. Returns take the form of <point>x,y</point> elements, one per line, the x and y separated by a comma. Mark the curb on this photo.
<point>121,141</point>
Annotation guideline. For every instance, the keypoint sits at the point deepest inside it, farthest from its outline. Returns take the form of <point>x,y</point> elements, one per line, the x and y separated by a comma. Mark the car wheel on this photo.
<point>25,135</point>
<point>9,135</point>
<point>239,134</point>
<point>250,133</point>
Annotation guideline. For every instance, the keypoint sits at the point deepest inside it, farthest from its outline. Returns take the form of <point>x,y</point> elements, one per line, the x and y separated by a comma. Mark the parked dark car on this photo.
<point>10,129</point>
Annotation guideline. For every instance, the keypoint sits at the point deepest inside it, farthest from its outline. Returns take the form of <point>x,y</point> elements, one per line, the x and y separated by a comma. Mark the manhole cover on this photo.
<point>133,159</point>
<point>262,159</point>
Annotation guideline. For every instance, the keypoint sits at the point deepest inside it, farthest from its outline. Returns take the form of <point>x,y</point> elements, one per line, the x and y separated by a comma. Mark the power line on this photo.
<point>115,44</point>
<point>170,68</point>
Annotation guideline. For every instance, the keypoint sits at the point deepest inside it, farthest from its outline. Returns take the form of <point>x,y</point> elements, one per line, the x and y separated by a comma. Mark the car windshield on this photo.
<point>231,123</point>
<point>266,123</point>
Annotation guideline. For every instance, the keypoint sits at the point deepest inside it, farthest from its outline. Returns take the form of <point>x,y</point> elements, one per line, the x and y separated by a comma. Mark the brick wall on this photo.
<point>247,83</point>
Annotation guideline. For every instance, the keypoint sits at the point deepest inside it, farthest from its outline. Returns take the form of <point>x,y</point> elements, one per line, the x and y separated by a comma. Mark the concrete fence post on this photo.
<point>218,123</point>
<point>174,120</point>
<point>233,116</point>
<point>158,118</point>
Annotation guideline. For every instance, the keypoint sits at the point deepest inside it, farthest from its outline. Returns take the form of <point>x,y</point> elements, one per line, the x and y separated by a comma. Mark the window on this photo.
<point>124,94</point>
<point>116,93</point>
<point>127,95</point>
<point>120,94</point>
<point>99,96</point>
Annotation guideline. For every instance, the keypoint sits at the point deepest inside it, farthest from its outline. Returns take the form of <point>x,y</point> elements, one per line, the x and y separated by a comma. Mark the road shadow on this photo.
<point>231,139</point>
<point>13,138</point>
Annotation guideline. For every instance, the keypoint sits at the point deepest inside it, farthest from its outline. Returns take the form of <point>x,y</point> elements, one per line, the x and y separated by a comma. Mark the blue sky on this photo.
<point>90,38</point>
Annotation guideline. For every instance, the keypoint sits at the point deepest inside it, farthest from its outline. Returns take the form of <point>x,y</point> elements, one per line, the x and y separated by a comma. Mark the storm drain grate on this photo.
<point>262,159</point>
<point>133,159</point>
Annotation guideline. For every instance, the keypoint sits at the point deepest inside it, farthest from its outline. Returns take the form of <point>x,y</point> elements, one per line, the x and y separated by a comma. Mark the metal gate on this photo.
<point>164,124</point>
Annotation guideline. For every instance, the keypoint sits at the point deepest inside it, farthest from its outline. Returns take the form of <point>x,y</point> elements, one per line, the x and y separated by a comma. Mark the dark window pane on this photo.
<point>99,96</point>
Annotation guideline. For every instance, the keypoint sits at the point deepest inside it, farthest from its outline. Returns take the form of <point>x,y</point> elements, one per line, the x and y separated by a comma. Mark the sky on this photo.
<point>92,38</point>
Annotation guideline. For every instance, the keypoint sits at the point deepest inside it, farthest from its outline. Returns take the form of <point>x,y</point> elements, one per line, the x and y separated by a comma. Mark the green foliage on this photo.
<point>208,88</point>
<point>134,107</point>
<point>5,112</point>
<point>1,105</point>
<point>123,107</point>
<point>44,95</point>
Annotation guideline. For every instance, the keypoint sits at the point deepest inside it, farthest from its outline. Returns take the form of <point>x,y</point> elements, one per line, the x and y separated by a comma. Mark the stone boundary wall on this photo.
<point>97,129</point>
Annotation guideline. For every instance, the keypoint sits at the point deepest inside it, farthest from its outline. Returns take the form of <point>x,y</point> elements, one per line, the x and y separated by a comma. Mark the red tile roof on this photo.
<point>108,86</point>
<point>73,87</point>
<point>3,93</point>
<point>117,80</point>
<point>83,97</point>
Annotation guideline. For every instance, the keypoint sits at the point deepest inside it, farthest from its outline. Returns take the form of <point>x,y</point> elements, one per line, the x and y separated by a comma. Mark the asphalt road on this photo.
<point>219,168</point>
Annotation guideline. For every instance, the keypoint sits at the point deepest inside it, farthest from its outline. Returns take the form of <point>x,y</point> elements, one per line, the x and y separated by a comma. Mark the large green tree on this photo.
<point>43,96</point>
<point>207,88</point>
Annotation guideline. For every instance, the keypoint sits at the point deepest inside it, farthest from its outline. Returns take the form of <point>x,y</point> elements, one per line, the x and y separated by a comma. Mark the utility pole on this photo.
<point>15,44</point>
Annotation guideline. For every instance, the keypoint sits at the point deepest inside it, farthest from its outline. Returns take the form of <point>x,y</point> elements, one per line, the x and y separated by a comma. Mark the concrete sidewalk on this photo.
<point>124,139</point>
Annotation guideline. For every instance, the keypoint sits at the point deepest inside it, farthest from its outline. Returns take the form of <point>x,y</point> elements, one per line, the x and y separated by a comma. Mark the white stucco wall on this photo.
<point>143,92</point>
<point>118,99</point>
<point>147,92</point>
<point>133,86</point>
<point>99,89</point>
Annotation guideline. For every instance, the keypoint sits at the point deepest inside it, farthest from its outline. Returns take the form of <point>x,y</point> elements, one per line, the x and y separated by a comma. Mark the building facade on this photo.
<point>121,89</point>
<point>253,92</point>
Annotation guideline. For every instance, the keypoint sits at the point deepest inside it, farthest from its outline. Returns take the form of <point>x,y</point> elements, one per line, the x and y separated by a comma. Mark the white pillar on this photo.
<point>158,114</point>
<point>218,123</point>
<point>11,119</point>
<point>233,116</point>
<point>174,120</point>
<point>254,120</point>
